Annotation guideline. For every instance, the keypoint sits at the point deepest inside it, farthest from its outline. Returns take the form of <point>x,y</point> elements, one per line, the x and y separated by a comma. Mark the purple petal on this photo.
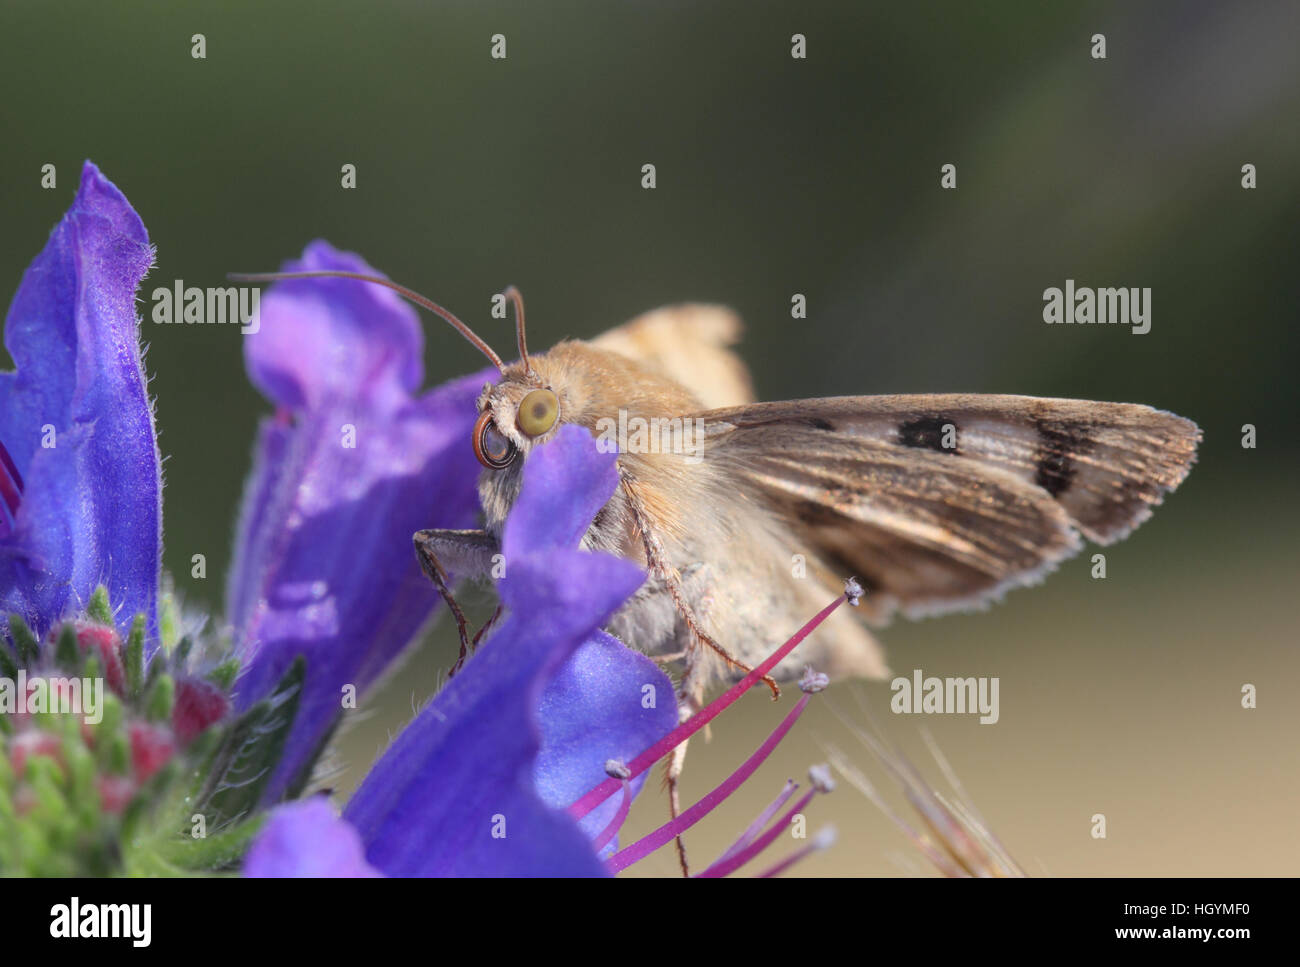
<point>91,508</point>
<point>551,513</point>
<point>324,565</point>
<point>335,338</point>
<point>606,702</point>
<point>454,795</point>
<point>307,838</point>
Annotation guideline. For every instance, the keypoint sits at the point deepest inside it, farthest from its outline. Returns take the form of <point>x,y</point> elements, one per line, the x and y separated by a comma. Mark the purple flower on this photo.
<point>490,777</point>
<point>80,491</point>
<point>306,838</point>
<point>475,785</point>
<point>349,467</point>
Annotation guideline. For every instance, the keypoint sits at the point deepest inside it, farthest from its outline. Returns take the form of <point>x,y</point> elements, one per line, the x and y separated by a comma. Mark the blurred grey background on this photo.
<point>779,176</point>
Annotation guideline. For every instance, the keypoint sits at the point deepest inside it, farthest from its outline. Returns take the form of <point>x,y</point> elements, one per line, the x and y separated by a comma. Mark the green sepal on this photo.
<point>90,666</point>
<point>66,652</point>
<point>133,658</point>
<point>98,609</point>
<point>8,666</point>
<point>169,616</point>
<point>158,703</point>
<point>181,655</point>
<point>112,745</point>
<point>224,675</point>
<point>25,643</point>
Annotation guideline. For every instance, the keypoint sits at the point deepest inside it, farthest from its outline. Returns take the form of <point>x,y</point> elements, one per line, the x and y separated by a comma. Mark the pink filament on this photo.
<point>739,859</point>
<point>11,484</point>
<point>615,824</point>
<point>597,795</point>
<point>759,824</point>
<point>779,868</point>
<point>689,817</point>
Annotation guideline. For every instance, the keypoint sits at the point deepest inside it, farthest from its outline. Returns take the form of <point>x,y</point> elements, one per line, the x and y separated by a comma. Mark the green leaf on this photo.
<point>243,763</point>
<point>219,850</point>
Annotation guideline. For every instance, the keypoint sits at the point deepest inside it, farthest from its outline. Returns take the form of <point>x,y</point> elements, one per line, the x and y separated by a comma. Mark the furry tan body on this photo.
<point>732,555</point>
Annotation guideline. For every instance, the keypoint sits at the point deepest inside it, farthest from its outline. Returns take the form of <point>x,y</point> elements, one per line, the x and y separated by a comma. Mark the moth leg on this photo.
<point>468,553</point>
<point>658,561</point>
<point>486,625</point>
<point>690,699</point>
<point>668,659</point>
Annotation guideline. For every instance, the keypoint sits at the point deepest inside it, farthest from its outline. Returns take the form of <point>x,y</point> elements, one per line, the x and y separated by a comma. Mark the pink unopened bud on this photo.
<point>107,644</point>
<point>198,705</point>
<point>115,792</point>
<point>29,744</point>
<point>152,747</point>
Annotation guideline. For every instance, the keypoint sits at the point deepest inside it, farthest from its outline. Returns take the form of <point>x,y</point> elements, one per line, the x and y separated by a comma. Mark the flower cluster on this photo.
<point>204,739</point>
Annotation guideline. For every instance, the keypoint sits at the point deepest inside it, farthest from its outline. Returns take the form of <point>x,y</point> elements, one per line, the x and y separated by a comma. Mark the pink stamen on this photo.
<point>11,489</point>
<point>735,862</point>
<point>818,844</point>
<point>677,736</point>
<point>759,824</point>
<point>615,824</point>
<point>689,817</point>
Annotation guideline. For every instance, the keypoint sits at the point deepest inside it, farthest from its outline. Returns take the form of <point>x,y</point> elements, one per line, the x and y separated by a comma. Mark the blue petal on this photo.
<point>553,512</point>
<point>335,338</point>
<point>91,510</point>
<point>324,565</point>
<point>306,838</point>
<point>593,709</point>
<point>455,794</point>
<point>606,702</point>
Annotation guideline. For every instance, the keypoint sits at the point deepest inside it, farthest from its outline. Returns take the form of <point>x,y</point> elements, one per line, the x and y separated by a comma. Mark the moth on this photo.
<point>749,516</point>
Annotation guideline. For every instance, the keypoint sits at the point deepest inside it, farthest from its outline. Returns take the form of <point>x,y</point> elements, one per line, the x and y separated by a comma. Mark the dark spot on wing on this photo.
<point>817,423</point>
<point>927,433</point>
<point>1054,459</point>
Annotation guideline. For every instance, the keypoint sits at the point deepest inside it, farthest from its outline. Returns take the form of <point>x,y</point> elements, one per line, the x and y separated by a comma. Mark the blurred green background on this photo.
<point>779,176</point>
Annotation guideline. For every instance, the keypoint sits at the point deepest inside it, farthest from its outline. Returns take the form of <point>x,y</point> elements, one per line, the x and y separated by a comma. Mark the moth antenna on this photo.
<point>402,290</point>
<point>515,296</point>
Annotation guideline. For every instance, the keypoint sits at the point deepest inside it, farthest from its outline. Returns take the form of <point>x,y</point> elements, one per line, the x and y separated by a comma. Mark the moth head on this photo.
<point>516,414</point>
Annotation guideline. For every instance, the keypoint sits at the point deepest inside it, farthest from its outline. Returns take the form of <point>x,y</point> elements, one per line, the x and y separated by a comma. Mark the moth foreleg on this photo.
<point>464,553</point>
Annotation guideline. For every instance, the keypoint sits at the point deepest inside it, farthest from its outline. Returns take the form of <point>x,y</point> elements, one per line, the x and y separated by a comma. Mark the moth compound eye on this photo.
<point>538,412</point>
<point>491,446</point>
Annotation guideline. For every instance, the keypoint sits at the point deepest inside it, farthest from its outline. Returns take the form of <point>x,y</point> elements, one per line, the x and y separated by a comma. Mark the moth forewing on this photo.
<point>941,502</point>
